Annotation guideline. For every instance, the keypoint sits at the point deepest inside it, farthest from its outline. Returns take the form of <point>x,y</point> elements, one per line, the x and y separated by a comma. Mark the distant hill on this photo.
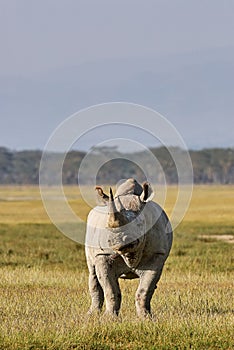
<point>210,166</point>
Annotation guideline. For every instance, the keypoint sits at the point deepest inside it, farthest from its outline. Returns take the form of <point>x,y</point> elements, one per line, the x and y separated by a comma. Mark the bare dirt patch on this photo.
<point>225,238</point>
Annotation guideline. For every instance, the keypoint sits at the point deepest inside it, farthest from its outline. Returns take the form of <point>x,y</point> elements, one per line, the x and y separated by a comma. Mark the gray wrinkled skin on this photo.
<point>138,249</point>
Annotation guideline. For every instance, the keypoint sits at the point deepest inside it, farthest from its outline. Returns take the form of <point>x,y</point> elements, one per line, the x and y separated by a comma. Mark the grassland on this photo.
<point>43,281</point>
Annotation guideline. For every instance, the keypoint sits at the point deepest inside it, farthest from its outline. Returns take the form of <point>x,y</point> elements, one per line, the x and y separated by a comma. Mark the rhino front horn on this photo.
<point>115,218</point>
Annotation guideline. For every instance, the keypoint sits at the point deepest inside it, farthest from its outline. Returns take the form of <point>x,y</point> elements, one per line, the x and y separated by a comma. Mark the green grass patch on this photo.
<point>33,245</point>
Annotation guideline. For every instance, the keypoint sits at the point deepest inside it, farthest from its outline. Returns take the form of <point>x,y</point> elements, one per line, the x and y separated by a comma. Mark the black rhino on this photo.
<point>128,236</point>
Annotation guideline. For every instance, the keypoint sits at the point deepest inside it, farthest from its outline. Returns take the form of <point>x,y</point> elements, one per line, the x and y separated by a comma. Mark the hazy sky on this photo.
<point>58,56</point>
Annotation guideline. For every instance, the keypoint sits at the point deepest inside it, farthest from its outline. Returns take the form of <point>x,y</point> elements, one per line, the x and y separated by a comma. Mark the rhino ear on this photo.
<point>102,198</point>
<point>148,193</point>
<point>137,188</point>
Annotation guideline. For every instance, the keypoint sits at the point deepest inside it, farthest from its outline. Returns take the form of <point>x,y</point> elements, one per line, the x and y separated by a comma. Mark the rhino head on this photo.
<point>126,221</point>
<point>126,226</point>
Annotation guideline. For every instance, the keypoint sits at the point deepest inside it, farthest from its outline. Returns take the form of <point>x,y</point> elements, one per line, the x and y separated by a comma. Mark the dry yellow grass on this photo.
<point>47,310</point>
<point>210,204</point>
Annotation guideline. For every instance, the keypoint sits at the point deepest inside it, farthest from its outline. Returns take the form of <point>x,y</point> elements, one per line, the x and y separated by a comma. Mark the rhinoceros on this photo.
<point>128,236</point>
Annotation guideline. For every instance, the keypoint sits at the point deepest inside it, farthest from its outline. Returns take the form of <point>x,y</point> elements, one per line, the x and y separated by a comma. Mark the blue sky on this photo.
<point>57,57</point>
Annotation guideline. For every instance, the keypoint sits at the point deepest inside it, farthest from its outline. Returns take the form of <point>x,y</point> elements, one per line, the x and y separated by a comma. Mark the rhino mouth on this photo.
<point>122,248</point>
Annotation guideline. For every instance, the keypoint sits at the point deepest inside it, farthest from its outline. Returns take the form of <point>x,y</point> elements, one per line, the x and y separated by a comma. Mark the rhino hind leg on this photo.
<point>96,292</point>
<point>129,275</point>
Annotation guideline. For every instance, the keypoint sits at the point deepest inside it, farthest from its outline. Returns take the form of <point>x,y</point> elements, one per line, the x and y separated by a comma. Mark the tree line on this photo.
<point>210,166</point>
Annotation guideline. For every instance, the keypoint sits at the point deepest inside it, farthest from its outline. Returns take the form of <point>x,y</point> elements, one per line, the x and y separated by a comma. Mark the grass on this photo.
<point>43,282</point>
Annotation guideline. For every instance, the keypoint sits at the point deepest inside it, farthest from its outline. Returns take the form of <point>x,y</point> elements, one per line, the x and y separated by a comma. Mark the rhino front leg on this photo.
<point>145,291</point>
<point>109,282</point>
<point>96,292</point>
